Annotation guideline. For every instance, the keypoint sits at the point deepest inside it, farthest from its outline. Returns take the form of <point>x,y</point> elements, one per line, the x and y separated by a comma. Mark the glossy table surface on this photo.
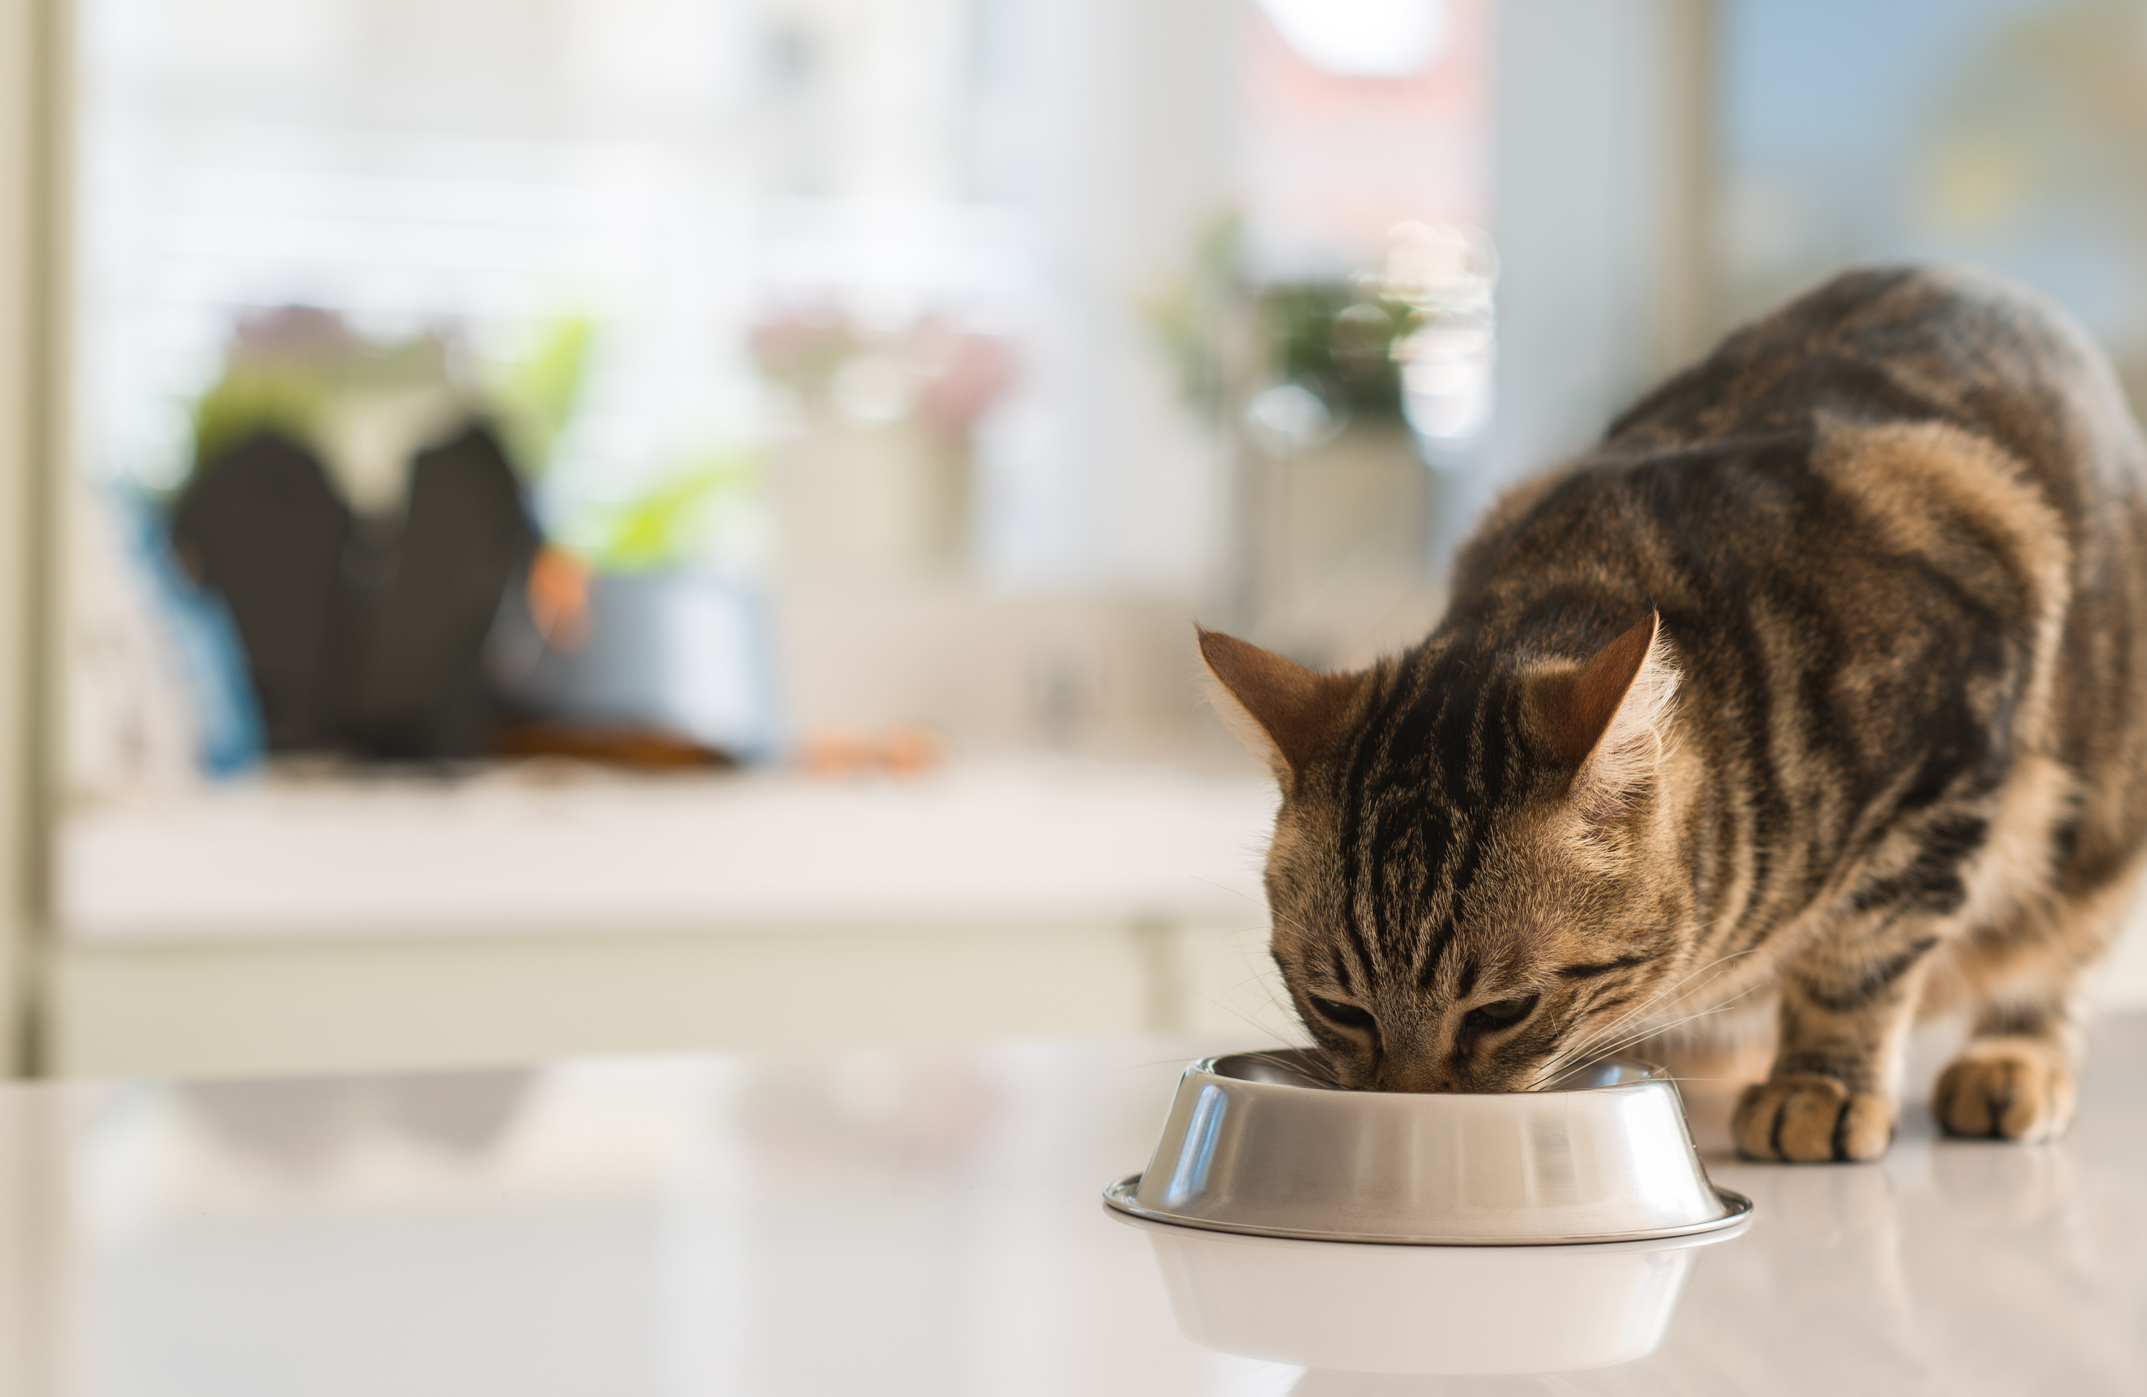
<point>928,1222</point>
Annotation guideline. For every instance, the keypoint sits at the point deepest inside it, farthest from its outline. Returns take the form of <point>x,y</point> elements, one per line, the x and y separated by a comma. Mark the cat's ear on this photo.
<point>1604,717</point>
<point>1290,715</point>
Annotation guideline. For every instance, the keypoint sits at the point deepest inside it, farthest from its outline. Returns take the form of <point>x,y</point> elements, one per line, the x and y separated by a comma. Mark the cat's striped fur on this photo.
<point>1823,679</point>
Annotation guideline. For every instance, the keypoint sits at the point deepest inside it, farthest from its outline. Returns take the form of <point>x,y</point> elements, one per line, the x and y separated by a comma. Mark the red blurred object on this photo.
<point>558,597</point>
<point>898,751</point>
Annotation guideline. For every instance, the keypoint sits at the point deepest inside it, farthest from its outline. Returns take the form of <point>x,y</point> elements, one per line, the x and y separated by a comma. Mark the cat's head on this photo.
<point>1473,874</point>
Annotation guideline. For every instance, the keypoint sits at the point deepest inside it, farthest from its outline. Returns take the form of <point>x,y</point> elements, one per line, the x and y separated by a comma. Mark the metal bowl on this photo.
<point>1255,1143</point>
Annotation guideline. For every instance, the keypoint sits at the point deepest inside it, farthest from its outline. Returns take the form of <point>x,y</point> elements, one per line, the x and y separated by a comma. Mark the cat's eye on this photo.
<point>1347,1015</point>
<point>1498,1014</point>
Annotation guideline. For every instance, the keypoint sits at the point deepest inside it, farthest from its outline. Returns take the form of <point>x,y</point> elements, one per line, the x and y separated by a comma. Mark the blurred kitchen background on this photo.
<point>622,525</point>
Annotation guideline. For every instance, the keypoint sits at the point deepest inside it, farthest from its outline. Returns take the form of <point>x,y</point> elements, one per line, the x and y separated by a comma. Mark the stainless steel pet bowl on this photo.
<point>1255,1143</point>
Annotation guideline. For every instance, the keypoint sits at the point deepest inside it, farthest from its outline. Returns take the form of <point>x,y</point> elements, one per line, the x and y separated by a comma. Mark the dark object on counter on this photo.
<point>261,525</point>
<point>362,636</point>
<point>627,745</point>
<point>418,687</point>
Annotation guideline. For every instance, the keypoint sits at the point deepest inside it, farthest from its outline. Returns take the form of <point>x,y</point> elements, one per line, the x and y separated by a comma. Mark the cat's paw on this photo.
<point>1809,1119</point>
<point>2006,1089</point>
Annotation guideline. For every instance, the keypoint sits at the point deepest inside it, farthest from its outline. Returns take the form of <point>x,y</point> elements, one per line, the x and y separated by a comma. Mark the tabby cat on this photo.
<point>1821,680</point>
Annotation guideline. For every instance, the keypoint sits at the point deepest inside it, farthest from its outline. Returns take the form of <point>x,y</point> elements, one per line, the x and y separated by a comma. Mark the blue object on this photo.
<point>684,651</point>
<point>212,659</point>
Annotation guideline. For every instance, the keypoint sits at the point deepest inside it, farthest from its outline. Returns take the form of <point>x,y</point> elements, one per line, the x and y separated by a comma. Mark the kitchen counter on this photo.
<point>536,911</point>
<point>927,1221</point>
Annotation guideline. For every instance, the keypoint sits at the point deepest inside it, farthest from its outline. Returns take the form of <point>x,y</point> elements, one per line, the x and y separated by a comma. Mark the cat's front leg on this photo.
<point>1844,1015</point>
<point>2017,1076</point>
<point>2013,1081</point>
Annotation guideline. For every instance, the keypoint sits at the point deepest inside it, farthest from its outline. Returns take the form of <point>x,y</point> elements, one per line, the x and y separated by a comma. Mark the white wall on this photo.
<point>1589,187</point>
<point>1102,477</point>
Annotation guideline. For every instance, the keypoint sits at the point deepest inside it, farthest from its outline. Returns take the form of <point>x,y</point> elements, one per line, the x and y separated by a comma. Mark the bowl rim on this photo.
<point>1648,1075</point>
<point>1171,1227</point>
<point>1737,1209</point>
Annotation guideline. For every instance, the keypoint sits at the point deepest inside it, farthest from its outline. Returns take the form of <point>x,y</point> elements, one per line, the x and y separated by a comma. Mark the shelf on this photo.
<point>1033,842</point>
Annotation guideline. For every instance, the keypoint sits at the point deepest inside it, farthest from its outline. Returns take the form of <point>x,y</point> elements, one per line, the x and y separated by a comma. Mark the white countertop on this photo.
<point>928,1222</point>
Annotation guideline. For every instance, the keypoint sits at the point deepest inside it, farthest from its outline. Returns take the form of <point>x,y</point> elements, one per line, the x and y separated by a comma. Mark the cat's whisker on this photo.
<point>1650,1031</point>
<point>1576,1056</point>
<point>1570,1052</point>
<point>1224,887</point>
<point>1282,1007</point>
<point>1583,1061</point>
<point>1686,979</point>
<point>1645,1006</point>
<point>1317,1068</point>
<point>1291,922</point>
<point>1597,1034</point>
<point>1248,1019</point>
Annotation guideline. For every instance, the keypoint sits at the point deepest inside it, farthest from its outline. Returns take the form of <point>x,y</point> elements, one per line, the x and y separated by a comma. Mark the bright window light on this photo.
<point>1363,38</point>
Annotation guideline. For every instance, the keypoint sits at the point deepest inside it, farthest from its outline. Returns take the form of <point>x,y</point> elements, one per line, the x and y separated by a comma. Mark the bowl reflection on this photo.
<point>1446,1311</point>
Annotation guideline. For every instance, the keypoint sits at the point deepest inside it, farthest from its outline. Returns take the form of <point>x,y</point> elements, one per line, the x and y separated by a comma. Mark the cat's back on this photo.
<point>1889,418</point>
<point>1902,346</point>
<point>1909,510</point>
